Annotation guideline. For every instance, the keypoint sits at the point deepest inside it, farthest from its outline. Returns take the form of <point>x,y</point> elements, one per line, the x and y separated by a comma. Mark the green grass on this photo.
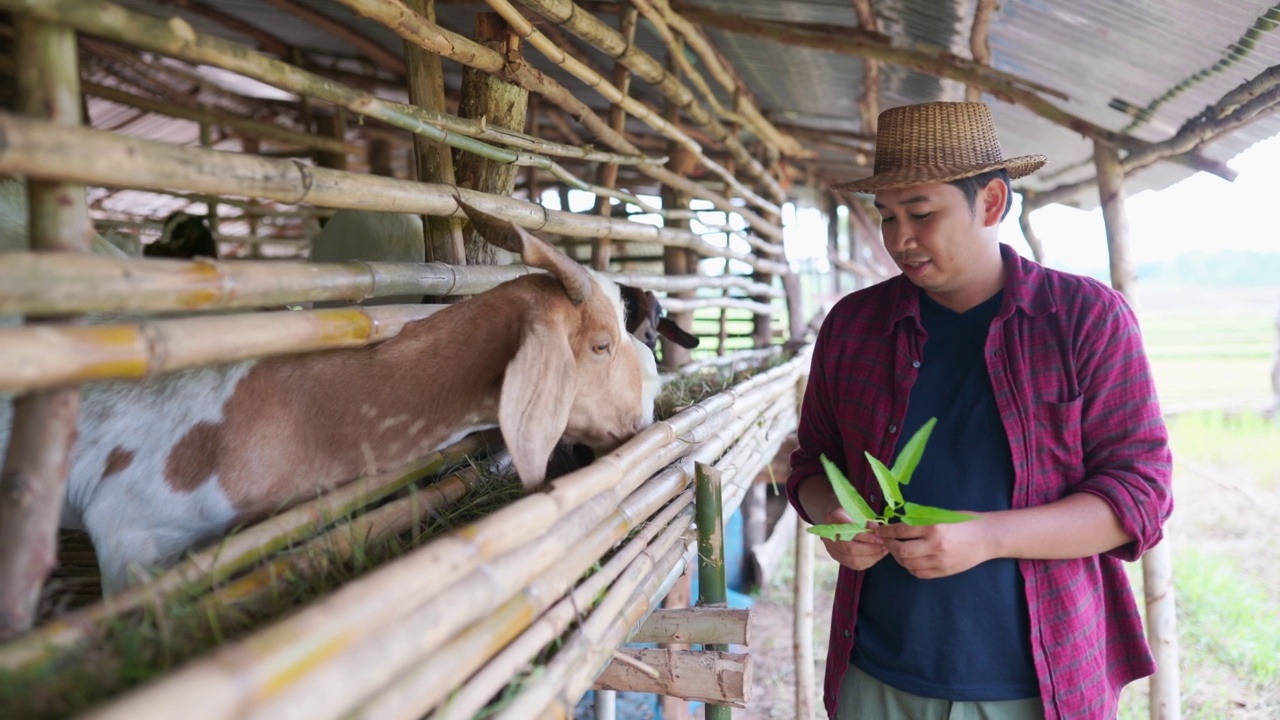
<point>1245,440</point>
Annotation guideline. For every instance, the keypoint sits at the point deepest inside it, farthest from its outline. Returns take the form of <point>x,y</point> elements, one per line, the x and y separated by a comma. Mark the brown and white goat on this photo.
<point>163,465</point>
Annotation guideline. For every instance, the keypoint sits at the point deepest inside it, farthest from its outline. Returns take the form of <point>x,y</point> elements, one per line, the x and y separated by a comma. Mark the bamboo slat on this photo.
<point>95,157</point>
<point>37,356</point>
<point>234,553</point>
<point>680,305</point>
<point>674,283</point>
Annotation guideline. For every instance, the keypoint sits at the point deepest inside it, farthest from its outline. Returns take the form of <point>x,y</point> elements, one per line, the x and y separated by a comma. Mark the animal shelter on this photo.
<point>408,358</point>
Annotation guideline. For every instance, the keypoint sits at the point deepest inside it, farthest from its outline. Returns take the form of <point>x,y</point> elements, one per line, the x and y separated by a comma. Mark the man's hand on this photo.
<point>860,553</point>
<point>935,551</point>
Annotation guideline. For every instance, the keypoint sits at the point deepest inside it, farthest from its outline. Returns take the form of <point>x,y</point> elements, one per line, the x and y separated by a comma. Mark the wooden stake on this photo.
<point>608,173</point>
<point>1157,562</point>
<point>36,462</point>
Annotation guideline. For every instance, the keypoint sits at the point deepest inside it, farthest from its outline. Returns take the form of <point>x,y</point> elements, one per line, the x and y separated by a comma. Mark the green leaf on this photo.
<point>888,482</point>
<point>849,498</point>
<point>841,532</point>
<point>911,453</point>
<point>929,515</point>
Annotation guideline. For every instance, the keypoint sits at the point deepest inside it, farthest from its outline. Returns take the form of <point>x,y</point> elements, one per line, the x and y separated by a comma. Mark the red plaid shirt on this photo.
<point>1073,385</point>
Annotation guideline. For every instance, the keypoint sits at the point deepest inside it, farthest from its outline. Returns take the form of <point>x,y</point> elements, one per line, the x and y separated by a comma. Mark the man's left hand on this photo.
<point>935,551</point>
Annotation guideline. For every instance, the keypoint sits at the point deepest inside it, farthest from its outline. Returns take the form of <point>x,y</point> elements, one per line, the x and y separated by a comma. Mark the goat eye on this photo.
<point>600,348</point>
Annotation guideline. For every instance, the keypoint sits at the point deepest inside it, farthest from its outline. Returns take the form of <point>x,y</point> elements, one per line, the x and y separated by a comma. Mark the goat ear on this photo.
<point>537,393</point>
<point>532,250</point>
<point>668,329</point>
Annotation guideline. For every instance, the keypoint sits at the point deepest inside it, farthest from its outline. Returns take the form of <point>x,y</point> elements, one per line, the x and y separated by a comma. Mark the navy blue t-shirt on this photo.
<point>966,636</point>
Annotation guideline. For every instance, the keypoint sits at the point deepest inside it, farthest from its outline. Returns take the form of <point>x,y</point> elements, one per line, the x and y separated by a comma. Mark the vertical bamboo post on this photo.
<point>380,157</point>
<point>763,331</point>
<point>608,174</point>
<point>206,140</point>
<point>334,125</point>
<point>251,146</point>
<point>1157,563</point>
<point>33,480</point>
<point>832,210</point>
<point>434,160</point>
<point>500,104</point>
<point>1024,222</point>
<point>712,590</point>
<point>802,627</point>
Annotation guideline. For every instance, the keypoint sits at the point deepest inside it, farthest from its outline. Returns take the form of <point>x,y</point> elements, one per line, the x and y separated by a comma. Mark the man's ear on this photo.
<point>992,200</point>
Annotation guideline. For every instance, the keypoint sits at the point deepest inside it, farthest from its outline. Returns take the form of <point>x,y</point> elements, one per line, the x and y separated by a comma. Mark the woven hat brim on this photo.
<point>925,174</point>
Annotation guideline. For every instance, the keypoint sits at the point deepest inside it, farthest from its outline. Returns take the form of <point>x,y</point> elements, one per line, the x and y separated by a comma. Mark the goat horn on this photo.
<point>532,250</point>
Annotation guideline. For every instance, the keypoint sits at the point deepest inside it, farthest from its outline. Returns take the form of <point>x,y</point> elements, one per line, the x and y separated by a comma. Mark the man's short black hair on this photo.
<point>971,185</point>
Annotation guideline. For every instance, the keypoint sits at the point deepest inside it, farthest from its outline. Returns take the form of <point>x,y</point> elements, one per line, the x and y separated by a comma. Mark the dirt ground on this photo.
<point>1222,510</point>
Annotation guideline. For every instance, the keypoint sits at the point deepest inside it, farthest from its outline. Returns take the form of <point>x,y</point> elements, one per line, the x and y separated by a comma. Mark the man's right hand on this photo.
<point>864,550</point>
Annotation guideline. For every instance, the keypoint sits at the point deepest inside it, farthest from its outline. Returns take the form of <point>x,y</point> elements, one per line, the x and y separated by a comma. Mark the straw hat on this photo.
<point>937,142</point>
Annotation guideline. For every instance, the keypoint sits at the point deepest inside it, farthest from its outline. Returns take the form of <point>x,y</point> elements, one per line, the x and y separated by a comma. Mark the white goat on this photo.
<point>371,236</point>
<point>163,465</point>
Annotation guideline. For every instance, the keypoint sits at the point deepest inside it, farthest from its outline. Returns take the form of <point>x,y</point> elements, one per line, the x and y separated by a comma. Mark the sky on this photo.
<point>1200,212</point>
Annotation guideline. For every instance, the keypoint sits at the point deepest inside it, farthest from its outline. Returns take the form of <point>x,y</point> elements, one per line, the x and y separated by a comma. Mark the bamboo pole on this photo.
<point>979,44</point>
<point>607,175</point>
<point>41,284</point>
<point>524,624</point>
<point>802,627</point>
<point>586,26</point>
<point>1157,562</point>
<point>443,236</point>
<point>682,305</point>
<point>668,283</point>
<point>100,158</point>
<point>869,102</point>
<point>38,456</point>
<point>37,358</point>
<point>233,554</point>
<point>1028,232</point>
<point>246,126</point>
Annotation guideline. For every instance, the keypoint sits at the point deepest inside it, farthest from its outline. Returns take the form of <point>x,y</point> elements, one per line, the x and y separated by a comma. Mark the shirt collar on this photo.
<point>1024,289</point>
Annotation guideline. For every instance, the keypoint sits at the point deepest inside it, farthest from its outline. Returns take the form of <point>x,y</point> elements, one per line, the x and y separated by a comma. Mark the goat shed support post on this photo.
<point>36,463</point>
<point>1157,563</point>
<point>711,578</point>
<point>425,77</point>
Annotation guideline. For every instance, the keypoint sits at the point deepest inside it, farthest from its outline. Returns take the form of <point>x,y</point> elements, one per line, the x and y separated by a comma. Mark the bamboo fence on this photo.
<point>463,614</point>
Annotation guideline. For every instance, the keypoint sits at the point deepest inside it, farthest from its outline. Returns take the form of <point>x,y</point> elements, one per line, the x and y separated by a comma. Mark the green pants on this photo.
<point>862,697</point>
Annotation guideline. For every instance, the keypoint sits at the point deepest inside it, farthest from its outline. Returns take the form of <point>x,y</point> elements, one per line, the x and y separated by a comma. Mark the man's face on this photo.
<point>938,242</point>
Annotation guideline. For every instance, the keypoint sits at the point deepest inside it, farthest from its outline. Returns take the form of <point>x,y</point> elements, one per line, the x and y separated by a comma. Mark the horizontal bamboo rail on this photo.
<point>44,284</point>
<point>233,554</point>
<point>36,356</point>
<point>94,157</point>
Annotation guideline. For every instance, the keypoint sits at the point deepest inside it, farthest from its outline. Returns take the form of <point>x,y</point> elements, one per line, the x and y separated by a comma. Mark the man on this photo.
<point>1048,430</point>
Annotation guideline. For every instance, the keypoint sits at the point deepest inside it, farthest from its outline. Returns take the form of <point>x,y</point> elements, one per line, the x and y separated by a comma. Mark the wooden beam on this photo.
<point>858,43</point>
<point>712,677</point>
<point>869,102</point>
